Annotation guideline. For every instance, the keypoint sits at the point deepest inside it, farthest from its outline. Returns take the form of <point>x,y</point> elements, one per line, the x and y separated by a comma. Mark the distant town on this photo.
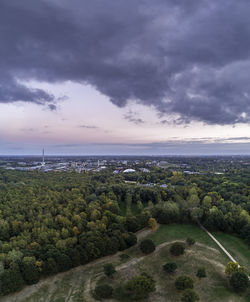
<point>124,164</point>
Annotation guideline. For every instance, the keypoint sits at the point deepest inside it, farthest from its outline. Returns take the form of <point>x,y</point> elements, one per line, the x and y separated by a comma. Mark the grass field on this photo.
<point>239,250</point>
<point>77,284</point>
<point>180,231</point>
<point>236,247</point>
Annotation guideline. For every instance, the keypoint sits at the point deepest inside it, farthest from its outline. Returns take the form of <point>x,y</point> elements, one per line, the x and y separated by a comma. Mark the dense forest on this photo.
<point>51,222</point>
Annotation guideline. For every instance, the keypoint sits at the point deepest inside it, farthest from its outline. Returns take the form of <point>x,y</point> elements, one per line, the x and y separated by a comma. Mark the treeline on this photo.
<point>55,221</point>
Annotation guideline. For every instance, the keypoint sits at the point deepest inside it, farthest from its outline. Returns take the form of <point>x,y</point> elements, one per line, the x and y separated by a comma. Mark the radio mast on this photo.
<point>43,162</point>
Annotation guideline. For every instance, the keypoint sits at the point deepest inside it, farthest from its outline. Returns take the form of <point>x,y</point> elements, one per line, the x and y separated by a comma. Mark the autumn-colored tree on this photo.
<point>152,223</point>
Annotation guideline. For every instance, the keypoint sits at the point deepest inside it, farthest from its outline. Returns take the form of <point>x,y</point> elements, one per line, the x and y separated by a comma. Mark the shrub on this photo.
<point>190,295</point>
<point>147,246</point>
<point>231,267</point>
<point>239,281</point>
<point>109,269</point>
<point>170,267</point>
<point>139,287</point>
<point>201,273</point>
<point>130,239</point>
<point>184,282</point>
<point>177,249</point>
<point>190,241</point>
<point>152,223</point>
<point>104,291</point>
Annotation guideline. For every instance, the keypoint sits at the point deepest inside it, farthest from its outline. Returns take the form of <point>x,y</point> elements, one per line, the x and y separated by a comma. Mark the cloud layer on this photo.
<point>188,58</point>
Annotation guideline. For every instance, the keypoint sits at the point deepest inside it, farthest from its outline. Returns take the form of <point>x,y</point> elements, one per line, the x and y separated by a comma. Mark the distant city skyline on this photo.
<point>125,78</point>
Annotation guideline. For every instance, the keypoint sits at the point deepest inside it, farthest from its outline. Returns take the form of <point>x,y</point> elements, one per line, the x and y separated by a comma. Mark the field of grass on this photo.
<point>180,231</point>
<point>236,247</point>
<point>77,284</point>
<point>213,288</point>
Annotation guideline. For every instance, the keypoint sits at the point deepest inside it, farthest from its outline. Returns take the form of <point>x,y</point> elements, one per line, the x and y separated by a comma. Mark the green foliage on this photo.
<point>130,239</point>
<point>30,270</point>
<point>64,219</point>
<point>177,249</point>
<point>11,280</point>
<point>201,273</point>
<point>190,295</point>
<point>184,282</point>
<point>103,291</point>
<point>170,267</point>
<point>139,287</point>
<point>231,267</point>
<point>147,246</point>
<point>239,281</point>
<point>109,269</point>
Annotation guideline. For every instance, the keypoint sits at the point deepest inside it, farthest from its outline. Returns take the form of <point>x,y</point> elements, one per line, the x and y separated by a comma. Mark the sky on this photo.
<point>115,77</point>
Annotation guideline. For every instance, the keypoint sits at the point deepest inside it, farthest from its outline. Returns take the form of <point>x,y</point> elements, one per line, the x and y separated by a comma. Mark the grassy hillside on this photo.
<point>77,284</point>
<point>239,250</point>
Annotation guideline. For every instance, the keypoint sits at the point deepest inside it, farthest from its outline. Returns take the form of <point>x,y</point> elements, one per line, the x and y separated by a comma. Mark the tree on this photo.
<point>170,267</point>
<point>184,282</point>
<point>147,246</point>
<point>152,223</point>
<point>109,269</point>
<point>201,273</point>
<point>231,267</point>
<point>30,270</point>
<point>239,281</point>
<point>190,241</point>
<point>190,295</point>
<point>130,239</point>
<point>10,281</point>
<point>177,249</point>
<point>104,291</point>
<point>139,287</point>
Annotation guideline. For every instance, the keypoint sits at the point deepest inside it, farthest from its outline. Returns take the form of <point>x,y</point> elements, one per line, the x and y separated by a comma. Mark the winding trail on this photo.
<point>51,281</point>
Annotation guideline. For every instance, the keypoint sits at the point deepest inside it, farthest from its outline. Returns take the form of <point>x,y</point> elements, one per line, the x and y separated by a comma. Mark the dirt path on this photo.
<point>217,242</point>
<point>134,261</point>
<point>27,291</point>
<point>220,245</point>
<point>88,271</point>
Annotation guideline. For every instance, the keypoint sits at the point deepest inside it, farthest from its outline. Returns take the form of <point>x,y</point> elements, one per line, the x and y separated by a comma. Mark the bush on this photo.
<point>139,287</point>
<point>239,281</point>
<point>190,295</point>
<point>109,269</point>
<point>130,239</point>
<point>184,282</point>
<point>170,267</point>
<point>147,246</point>
<point>190,241</point>
<point>152,224</point>
<point>231,267</point>
<point>104,291</point>
<point>177,249</point>
<point>201,273</point>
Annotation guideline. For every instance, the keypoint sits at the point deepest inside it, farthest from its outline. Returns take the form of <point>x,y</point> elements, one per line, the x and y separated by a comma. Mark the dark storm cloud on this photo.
<point>188,58</point>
